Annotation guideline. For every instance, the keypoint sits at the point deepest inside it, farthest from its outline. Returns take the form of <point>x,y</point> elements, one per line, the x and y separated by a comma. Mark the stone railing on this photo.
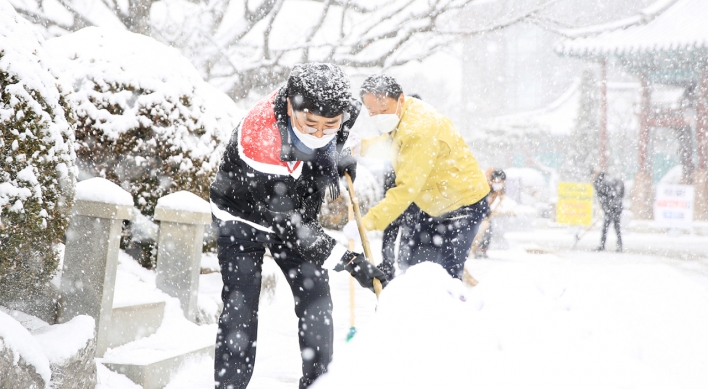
<point>182,218</point>
<point>92,246</point>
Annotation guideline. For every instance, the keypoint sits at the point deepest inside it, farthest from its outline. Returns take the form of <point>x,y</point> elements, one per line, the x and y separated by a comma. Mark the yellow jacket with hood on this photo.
<point>434,167</point>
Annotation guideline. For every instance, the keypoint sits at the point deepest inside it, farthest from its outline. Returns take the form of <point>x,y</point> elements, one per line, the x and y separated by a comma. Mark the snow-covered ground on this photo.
<point>541,316</point>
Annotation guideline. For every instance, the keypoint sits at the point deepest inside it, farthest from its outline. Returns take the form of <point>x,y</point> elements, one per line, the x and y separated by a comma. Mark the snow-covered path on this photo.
<point>558,319</point>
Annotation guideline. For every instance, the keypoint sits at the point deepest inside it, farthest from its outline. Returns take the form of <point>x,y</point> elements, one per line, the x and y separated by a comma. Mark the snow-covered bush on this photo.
<point>145,118</point>
<point>37,170</point>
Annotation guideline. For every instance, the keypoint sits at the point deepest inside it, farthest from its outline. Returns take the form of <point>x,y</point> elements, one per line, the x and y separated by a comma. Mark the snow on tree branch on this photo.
<point>248,46</point>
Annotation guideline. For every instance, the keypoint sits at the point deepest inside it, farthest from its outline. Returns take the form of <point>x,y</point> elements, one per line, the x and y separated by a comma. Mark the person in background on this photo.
<point>281,160</point>
<point>438,181</point>
<point>497,180</point>
<point>610,192</point>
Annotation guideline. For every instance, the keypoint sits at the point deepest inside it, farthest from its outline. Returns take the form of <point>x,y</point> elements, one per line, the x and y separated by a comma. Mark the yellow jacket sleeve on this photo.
<point>415,162</point>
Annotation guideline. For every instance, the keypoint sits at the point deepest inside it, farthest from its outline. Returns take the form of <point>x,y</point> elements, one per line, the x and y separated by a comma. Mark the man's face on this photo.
<point>497,184</point>
<point>315,125</point>
<point>377,105</point>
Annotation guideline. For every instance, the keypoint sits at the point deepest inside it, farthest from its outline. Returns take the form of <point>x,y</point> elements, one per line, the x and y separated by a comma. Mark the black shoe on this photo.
<point>619,249</point>
<point>600,249</point>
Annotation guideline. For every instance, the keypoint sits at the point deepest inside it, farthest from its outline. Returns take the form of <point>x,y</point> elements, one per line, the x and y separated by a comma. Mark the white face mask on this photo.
<point>386,122</point>
<point>497,187</point>
<point>312,141</point>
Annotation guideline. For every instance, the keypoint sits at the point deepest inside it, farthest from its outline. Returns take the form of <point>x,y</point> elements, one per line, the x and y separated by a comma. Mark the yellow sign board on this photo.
<point>574,204</point>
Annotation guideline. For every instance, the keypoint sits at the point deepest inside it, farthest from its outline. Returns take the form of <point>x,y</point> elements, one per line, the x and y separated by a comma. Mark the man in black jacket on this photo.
<point>610,192</point>
<point>281,160</point>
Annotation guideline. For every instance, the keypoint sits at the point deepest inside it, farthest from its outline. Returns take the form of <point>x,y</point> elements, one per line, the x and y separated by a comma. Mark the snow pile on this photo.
<point>416,340</point>
<point>541,323</point>
<point>61,342</point>
<point>531,184</point>
<point>135,284</point>
<point>146,119</point>
<point>16,338</point>
<point>184,201</point>
<point>505,205</point>
<point>101,190</point>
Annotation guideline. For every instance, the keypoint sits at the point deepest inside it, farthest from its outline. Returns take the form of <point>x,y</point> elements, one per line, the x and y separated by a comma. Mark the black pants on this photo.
<point>486,238</point>
<point>241,262</point>
<point>445,239</point>
<point>390,234</point>
<point>612,217</point>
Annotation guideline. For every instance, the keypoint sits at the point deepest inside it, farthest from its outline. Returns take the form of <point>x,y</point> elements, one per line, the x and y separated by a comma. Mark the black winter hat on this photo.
<point>498,174</point>
<point>321,88</point>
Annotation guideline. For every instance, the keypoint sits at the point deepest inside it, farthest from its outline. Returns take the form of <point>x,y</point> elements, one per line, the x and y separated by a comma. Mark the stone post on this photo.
<point>182,217</point>
<point>91,255</point>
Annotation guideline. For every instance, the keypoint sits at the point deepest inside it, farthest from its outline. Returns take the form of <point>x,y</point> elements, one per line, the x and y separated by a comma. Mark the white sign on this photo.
<point>674,205</point>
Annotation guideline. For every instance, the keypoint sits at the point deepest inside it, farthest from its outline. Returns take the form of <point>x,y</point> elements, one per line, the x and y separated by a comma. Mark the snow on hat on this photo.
<point>321,88</point>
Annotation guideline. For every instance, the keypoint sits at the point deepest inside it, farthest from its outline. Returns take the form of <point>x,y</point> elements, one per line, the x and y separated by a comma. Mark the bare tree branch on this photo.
<point>79,20</point>
<point>501,25</point>
<point>38,18</point>
<point>370,34</point>
<point>266,33</point>
<point>313,30</point>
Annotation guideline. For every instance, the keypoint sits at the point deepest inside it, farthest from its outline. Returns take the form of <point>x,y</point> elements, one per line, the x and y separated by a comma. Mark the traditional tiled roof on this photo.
<point>668,25</point>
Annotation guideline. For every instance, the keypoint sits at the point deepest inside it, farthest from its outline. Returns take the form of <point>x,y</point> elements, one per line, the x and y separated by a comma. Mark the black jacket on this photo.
<point>610,192</point>
<point>267,190</point>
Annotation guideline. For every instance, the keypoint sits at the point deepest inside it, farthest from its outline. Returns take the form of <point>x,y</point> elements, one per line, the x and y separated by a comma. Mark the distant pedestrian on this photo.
<point>497,180</point>
<point>610,192</point>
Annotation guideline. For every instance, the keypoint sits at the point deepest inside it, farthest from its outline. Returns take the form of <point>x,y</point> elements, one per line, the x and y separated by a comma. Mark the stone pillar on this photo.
<point>700,176</point>
<point>642,192</point>
<point>182,217</point>
<point>91,255</point>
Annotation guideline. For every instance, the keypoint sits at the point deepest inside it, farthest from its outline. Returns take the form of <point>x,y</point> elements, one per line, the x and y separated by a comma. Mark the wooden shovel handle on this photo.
<point>362,232</point>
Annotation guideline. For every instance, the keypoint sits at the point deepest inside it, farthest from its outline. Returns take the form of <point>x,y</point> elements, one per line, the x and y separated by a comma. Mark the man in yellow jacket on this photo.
<point>439,184</point>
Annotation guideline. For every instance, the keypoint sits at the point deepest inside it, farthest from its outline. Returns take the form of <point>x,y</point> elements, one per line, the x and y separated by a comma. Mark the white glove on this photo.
<point>351,231</point>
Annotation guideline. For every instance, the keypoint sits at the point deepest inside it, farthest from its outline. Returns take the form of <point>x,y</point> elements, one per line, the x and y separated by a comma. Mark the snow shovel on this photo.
<point>468,279</point>
<point>352,290</point>
<point>362,231</point>
<point>579,236</point>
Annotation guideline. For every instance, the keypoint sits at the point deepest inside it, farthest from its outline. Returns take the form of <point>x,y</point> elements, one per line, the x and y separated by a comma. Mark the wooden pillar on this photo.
<point>603,116</point>
<point>700,176</point>
<point>642,193</point>
<point>684,135</point>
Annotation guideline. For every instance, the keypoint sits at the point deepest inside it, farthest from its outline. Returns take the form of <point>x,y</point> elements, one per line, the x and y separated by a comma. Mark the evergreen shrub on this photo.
<point>145,118</point>
<point>37,163</point>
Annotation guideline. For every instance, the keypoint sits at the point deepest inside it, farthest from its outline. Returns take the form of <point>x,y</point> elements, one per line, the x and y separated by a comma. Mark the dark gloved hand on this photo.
<point>362,270</point>
<point>387,269</point>
<point>347,164</point>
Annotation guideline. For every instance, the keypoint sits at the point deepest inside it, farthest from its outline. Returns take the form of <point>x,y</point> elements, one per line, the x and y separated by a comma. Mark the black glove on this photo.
<point>387,269</point>
<point>362,270</point>
<point>347,164</point>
